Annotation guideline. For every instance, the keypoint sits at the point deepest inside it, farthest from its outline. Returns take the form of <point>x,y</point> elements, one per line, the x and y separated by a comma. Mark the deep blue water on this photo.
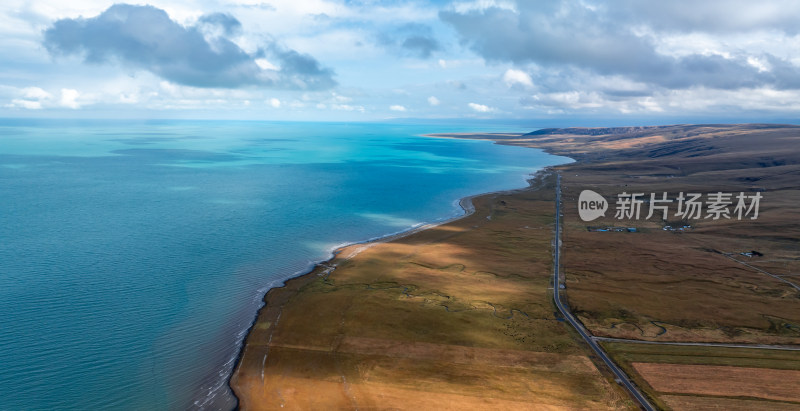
<point>134,255</point>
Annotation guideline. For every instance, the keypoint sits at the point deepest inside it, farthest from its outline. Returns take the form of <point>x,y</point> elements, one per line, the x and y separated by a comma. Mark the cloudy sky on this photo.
<point>373,60</point>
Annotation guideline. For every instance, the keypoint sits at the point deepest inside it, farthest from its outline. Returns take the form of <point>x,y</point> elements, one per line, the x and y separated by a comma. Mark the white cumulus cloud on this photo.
<point>265,64</point>
<point>69,98</point>
<point>36,93</point>
<point>26,104</point>
<point>346,107</point>
<point>274,102</point>
<point>432,100</point>
<point>513,77</point>
<point>397,107</point>
<point>481,108</point>
<point>30,98</point>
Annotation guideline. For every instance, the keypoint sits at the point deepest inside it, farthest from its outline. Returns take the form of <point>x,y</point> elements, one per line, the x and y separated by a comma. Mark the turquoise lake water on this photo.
<point>134,255</point>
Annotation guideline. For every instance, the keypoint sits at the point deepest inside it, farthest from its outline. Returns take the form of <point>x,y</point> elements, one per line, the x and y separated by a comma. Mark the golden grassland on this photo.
<point>454,317</point>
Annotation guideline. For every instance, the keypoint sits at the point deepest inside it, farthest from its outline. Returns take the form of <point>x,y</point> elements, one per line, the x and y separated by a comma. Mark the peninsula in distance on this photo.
<point>413,205</point>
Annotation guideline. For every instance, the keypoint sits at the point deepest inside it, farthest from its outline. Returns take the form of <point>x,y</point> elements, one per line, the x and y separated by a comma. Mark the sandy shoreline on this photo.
<point>276,296</point>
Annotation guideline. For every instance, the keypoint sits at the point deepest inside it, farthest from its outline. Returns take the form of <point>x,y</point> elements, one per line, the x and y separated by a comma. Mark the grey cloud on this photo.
<point>720,16</point>
<point>420,45</point>
<point>145,37</point>
<point>710,71</point>
<point>411,39</point>
<point>536,35</point>
<point>784,74</point>
<point>569,34</point>
<point>302,70</point>
<point>229,24</point>
<point>624,94</point>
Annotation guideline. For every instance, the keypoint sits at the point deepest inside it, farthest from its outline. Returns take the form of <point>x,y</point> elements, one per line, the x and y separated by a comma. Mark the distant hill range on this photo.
<point>603,131</point>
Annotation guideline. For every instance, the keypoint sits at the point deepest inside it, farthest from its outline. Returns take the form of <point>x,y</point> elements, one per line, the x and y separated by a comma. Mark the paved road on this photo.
<point>621,376</point>
<point>701,344</point>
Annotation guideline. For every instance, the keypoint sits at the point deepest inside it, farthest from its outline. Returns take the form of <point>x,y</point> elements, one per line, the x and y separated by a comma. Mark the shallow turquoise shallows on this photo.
<point>134,255</point>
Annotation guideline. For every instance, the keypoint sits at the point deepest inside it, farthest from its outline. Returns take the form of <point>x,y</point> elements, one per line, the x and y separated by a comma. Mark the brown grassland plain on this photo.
<point>684,286</point>
<point>456,317</point>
